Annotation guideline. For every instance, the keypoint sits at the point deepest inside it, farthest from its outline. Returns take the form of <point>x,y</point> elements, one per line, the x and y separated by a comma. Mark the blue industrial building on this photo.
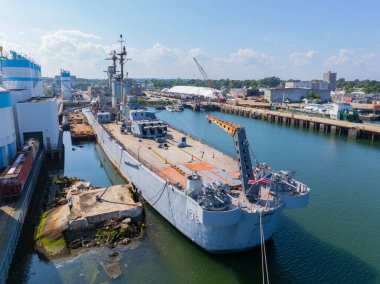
<point>8,132</point>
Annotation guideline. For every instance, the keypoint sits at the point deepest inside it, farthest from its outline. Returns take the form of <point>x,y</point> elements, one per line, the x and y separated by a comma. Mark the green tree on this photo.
<point>312,96</point>
<point>269,82</point>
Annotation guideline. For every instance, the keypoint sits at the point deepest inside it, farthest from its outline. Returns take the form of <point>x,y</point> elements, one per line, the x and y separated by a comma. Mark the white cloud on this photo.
<point>367,57</point>
<point>348,57</point>
<point>246,57</point>
<point>7,45</point>
<point>84,55</point>
<point>161,61</point>
<point>198,53</point>
<point>343,57</point>
<point>3,36</point>
<point>73,50</point>
<point>302,59</point>
<point>160,53</point>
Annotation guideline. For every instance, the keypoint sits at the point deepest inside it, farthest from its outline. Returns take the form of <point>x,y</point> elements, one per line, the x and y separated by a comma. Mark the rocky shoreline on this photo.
<point>102,223</point>
<point>111,233</point>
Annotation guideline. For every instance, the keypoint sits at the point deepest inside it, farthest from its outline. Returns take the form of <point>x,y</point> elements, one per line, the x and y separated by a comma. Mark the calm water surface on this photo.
<point>334,239</point>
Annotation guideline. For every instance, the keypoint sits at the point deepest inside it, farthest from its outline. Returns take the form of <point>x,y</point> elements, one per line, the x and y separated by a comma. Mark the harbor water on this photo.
<point>334,239</point>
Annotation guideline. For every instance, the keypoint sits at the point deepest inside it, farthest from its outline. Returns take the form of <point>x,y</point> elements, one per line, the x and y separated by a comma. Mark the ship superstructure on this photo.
<point>144,124</point>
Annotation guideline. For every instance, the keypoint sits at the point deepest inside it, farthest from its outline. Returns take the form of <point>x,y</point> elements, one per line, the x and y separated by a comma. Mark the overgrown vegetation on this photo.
<point>66,181</point>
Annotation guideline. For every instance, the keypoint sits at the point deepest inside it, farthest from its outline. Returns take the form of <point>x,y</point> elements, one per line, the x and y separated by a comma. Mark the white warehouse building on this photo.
<point>7,129</point>
<point>194,91</point>
<point>38,118</point>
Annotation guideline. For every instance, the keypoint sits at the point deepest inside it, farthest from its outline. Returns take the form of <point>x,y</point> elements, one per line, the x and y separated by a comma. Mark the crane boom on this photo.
<point>227,126</point>
<point>205,76</point>
<point>241,147</point>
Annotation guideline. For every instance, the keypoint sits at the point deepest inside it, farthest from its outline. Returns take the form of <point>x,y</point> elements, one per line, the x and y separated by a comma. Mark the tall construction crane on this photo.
<point>241,147</point>
<point>204,74</point>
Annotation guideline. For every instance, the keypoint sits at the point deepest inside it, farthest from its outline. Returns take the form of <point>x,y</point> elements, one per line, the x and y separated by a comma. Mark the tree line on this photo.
<point>168,83</point>
<point>367,86</point>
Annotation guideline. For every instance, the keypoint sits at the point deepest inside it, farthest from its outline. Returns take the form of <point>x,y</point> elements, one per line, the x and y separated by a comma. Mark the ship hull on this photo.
<point>217,232</point>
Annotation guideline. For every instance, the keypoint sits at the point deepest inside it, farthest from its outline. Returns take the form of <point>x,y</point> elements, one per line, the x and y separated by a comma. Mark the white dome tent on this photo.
<point>195,91</point>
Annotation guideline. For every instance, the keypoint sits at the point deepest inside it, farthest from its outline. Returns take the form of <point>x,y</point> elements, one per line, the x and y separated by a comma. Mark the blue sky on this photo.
<point>232,39</point>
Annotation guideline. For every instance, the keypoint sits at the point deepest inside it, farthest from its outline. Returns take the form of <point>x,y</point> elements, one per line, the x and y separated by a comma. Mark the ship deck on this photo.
<point>175,164</point>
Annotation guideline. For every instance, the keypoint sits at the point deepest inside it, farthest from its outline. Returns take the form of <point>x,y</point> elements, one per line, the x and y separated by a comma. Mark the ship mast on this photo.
<point>122,54</point>
<point>120,57</point>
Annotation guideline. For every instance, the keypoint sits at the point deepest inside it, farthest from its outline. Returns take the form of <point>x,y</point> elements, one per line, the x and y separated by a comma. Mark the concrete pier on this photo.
<point>94,206</point>
<point>314,123</point>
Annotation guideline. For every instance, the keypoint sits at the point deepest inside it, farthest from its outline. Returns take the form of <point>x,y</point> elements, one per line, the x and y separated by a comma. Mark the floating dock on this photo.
<point>80,130</point>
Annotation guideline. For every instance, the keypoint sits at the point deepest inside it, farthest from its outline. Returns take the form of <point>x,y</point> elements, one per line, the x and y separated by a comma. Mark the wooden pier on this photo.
<point>321,124</point>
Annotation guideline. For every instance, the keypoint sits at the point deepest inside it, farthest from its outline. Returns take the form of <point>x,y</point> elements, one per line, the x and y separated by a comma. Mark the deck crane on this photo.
<point>241,147</point>
<point>204,74</point>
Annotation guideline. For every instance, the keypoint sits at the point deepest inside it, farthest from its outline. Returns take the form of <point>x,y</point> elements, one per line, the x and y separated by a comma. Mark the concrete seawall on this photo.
<point>12,217</point>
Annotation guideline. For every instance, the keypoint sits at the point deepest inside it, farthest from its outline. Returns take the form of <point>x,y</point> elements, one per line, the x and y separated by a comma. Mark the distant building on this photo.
<point>245,92</point>
<point>297,91</point>
<point>304,85</point>
<point>331,79</point>
<point>293,94</point>
<point>38,118</point>
<point>320,86</point>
